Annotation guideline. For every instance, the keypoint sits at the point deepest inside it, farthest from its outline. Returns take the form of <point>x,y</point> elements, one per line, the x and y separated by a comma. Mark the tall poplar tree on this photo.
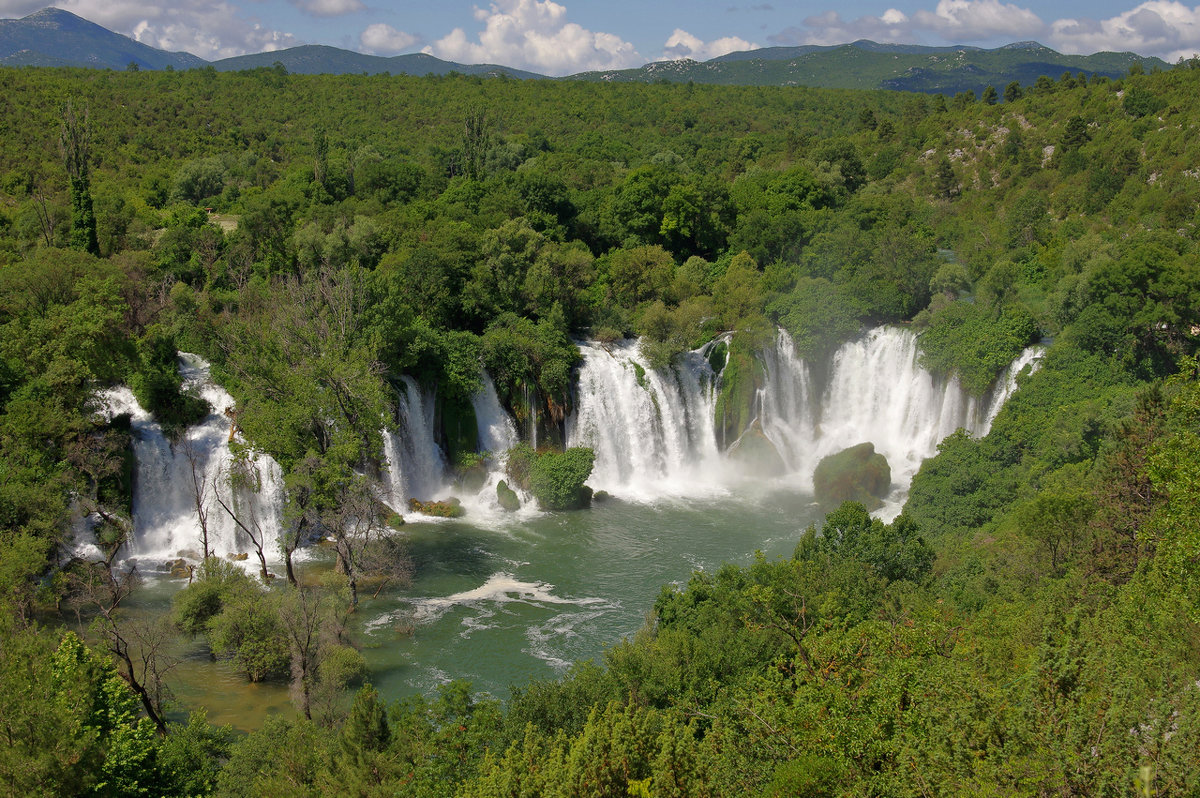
<point>75,144</point>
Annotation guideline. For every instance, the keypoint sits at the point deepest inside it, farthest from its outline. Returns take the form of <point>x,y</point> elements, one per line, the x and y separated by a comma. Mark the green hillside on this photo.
<point>1029,625</point>
<point>866,65</point>
<point>53,37</point>
<point>315,59</point>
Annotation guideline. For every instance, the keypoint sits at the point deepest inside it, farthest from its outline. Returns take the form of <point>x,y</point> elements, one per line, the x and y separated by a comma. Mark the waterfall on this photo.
<point>876,391</point>
<point>651,430</point>
<point>497,432</point>
<point>531,404</point>
<point>1008,382</point>
<point>416,466</point>
<point>169,476</point>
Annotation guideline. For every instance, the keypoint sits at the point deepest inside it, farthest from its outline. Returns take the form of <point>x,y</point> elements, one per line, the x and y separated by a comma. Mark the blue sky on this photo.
<point>559,38</point>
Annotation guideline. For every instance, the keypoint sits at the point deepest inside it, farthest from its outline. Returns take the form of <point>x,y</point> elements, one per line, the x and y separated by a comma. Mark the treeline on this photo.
<point>1028,624</point>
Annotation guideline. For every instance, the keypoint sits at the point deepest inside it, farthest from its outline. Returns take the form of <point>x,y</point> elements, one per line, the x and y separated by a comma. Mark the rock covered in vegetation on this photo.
<point>740,380</point>
<point>507,497</point>
<point>444,508</point>
<point>556,479</point>
<point>471,472</point>
<point>755,453</point>
<point>179,569</point>
<point>858,474</point>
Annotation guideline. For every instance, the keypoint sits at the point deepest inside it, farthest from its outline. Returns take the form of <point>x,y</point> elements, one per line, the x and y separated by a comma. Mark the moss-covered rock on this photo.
<point>755,454</point>
<point>446,508</point>
<point>858,474</point>
<point>740,380</point>
<point>556,479</point>
<point>471,473</point>
<point>716,354</point>
<point>640,372</point>
<point>518,463</point>
<point>179,569</point>
<point>508,498</point>
<point>460,428</point>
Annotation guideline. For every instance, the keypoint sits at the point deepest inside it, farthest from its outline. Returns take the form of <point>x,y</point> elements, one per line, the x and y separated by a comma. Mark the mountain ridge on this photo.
<point>54,37</point>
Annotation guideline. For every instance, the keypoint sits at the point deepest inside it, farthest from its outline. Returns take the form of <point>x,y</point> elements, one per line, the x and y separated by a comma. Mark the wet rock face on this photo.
<point>445,508</point>
<point>507,497</point>
<point>857,474</point>
<point>755,454</point>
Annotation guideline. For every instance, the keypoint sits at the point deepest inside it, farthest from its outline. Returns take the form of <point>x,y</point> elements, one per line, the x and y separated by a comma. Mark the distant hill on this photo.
<point>869,65</point>
<point>316,59</point>
<point>53,37</point>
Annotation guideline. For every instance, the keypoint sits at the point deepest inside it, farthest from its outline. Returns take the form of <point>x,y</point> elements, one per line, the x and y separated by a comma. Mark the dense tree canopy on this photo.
<point>1026,626</point>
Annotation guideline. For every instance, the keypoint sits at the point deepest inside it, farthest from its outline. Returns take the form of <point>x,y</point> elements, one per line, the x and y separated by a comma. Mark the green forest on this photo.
<point>1028,625</point>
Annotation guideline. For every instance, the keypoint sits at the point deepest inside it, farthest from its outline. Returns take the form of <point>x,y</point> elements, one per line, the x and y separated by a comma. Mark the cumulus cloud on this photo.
<point>830,28</point>
<point>1163,28</point>
<point>382,39</point>
<point>535,35</point>
<point>1169,30</point>
<point>971,20</point>
<point>211,29</point>
<point>952,21</point>
<point>10,9</point>
<point>684,45</point>
<point>328,8</point>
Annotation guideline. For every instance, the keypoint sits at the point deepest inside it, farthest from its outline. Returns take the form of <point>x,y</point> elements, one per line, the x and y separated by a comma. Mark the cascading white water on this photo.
<point>651,430</point>
<point>416,466</point>
<point>1008,383</point>
<point>876,392</point>
<point>166,521</point>
<point>497,432</point>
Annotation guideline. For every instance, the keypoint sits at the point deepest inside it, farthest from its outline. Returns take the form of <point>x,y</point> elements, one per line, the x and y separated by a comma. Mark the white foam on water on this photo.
<point>545,640</point>
<point>500,589</point>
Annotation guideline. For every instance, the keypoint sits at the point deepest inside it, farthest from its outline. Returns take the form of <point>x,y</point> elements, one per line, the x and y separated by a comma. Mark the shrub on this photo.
<point>556,479</point>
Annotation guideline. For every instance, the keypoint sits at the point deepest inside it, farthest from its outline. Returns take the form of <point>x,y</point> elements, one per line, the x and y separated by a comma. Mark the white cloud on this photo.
<point>830,28</point>
<point>535,35</point>
<point>14,9</point>
<point>211,29</point>
<point>382,39</point>
<point>1169,30</point>
<point>1163,28</point>
<point>971,20</point>
<point>684,45</point>
<point>328,8</point>
<point>951,21</point>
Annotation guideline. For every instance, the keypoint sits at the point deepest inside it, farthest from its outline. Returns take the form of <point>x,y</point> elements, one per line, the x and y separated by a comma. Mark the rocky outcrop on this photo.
<point>858,474</point>
<point>507,497</point>
<point>446,508</point>
<point>755,454</point>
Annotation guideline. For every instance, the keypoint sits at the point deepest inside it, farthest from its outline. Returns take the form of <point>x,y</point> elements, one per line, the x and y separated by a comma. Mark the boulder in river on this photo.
<point>858,474</point>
